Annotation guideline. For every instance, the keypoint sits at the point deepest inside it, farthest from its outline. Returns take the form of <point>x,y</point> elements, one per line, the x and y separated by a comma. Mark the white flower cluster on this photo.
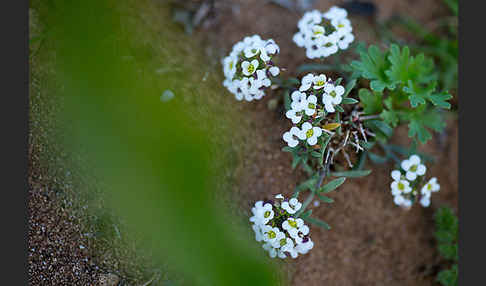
<point>405,183</point>
<point>316,96</point>
<point>323,34</point>
<point>249,66</point>
<point>281,233</point>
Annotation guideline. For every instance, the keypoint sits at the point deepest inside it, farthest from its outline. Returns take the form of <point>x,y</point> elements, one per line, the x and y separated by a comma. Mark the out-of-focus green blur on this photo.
<point>153,156</point>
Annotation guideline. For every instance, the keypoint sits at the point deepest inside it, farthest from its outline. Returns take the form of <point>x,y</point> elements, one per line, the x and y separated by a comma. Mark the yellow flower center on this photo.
<point>340,25</point>
<point>251,68</point>
<point>231,65</point>
<point>401,186</point>
<point>312,105</point>
<point>283,242</point>
<point>267,214</point>
<point>413,168</point>
<point>429,187</point>
<point>318,30</point>
<point>271,234</point>
<point>293,223</point>
<point>333,93</point>
<point>320,82</point>
<point>309,133</point>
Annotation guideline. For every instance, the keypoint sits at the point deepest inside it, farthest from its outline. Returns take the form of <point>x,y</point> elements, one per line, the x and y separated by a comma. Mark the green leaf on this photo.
<point>367,145</point>
<point>439,99</point>
<point>289,149</point>
<point>316,67</point>
<point>339,108</point>
<point>332,185</point>
<point>372,65</point>
<point>390,117</point>
<point>405,67</point>
<point>323,148</point>
<point>296,161</point>
<point>380,126</point>
<point>377,159</point>
<point>307,185</point>
<point>351,84</point>
<point>315,154</point>
<point>306,214</point>
<point>351,174</point>
<point>287,100</point>
<point>371,102</point>
<point>325,199</point>
<point>417,93</point>
<point>448,277</point>
<point>317,222</point>
<point>349,100</point>
<point>419,122</point>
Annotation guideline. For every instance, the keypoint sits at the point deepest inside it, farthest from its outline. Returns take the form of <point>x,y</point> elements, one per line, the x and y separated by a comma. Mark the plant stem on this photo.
<point>368,117</point>
<point>309,199</point>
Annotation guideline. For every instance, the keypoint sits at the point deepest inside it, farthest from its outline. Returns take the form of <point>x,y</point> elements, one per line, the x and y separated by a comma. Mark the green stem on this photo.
<point>309,199</point>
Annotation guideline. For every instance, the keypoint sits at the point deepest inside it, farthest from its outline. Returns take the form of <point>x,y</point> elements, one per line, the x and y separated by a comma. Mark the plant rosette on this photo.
<point>249,68</point>
<point>407,187</point>
<point>324,34</point>
<point>276,226</point>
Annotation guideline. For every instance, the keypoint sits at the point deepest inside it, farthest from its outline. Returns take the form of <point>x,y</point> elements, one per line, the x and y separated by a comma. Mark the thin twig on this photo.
<point>347,159</point>
<point>362,132</point>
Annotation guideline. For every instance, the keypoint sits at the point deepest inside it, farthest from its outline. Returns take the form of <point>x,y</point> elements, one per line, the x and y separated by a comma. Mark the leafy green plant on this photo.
<point>446,234</point>
<point>403,89</point>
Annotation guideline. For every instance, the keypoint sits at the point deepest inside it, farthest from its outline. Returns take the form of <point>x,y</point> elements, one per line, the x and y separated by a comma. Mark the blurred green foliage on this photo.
<point>154,157</point>
<point>447,227</point>
<point>439,42</point>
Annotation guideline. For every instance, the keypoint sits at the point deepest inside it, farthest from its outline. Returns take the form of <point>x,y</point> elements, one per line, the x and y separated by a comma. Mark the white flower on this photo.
<point>344,41</point>
<point>425,201</point>
<point>292,226</point>
<point>430,186</point>
<point>398,200</point>
<point>319,81</point>
<point>274,71</point>
<point>413,167</point>
<point>292,206</point>
<point>258,232</point>
<point>292,136</point>
<point>306,82</point>
<point>271,251</point>
<point>287,245</point>
<point>249,67</point>
<point>301,232</point>
<point>336,13</point>
<point>294,115</point>
<point>311,133</point>
<point>333,96</point>
<point>342,25</point>
<point>399,185</point>
<point>279,196</point>
<point>271,234</point>
<point>229,64</point>
<point>328,45</point>
<point>262,214</point>
<point>299,39</point>
<point>323,34</point>
<point>309,105</point>
<point>305,246</point>
<point>297,99</point>
<point>249,57</point>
